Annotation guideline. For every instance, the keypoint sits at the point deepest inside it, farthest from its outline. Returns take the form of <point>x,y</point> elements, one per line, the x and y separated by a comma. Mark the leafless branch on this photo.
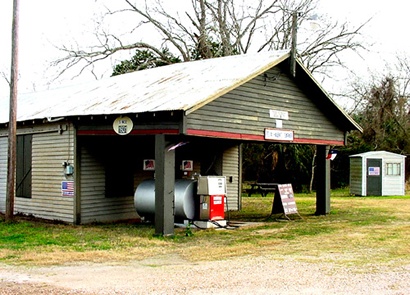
<point>218,28</point>
<point>5,77</point>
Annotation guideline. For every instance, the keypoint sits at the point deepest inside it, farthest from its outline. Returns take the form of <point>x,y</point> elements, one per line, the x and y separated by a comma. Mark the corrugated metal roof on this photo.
<point>379,154</point>
<point>183,86</point>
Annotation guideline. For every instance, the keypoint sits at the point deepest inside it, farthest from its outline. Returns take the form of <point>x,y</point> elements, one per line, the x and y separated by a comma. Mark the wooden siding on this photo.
<point>95,207</point>
<point>3,173</point>
<point>356,181</point>
<point>245,110</point>
<point>49,151</point>
<point>230,168</point>
<point>393,185</point>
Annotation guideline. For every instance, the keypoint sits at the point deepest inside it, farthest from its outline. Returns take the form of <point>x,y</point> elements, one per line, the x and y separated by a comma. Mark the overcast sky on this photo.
<point>47,24</point>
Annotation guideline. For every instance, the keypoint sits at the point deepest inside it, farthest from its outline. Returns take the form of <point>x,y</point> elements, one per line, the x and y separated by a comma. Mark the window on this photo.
<point>393,168</point>
<point>23,166</point>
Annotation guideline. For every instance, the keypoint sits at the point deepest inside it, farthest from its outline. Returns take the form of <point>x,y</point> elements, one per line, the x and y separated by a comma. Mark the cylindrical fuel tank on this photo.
<point>184,207</point>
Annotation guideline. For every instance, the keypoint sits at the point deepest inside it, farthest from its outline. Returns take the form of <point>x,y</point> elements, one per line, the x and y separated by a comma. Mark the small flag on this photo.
<point>67,188</point>
<point>331,155</point>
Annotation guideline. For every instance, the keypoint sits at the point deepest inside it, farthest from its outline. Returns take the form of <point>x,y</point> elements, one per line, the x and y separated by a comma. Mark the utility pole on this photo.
<point>293,50</point>
<point>12,140</point>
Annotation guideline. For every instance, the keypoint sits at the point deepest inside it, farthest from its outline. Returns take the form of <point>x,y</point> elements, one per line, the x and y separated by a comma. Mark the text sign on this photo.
<point>279,134</point>
<point>275,114</point>
<point>123,125</point>
<point>284,200</point>
<point>374,171</point>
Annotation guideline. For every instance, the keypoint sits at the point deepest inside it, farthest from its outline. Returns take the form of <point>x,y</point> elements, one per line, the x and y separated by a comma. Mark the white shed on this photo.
<point>377,173</point>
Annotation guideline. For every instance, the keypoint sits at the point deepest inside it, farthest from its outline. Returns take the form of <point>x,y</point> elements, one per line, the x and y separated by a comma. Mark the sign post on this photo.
<point>284,201</point>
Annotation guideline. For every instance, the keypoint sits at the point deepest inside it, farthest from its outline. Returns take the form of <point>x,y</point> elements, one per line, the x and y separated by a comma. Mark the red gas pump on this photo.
<point>211,192</point>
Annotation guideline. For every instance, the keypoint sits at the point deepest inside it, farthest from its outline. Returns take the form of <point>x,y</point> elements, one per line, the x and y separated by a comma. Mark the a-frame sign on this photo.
<point>284,201</point>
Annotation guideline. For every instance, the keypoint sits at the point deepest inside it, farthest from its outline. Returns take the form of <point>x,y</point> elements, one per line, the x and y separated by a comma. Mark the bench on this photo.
<point>262,188</point>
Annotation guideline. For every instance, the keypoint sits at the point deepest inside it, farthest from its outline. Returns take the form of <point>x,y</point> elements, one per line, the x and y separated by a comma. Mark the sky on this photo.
<point>48,24</point>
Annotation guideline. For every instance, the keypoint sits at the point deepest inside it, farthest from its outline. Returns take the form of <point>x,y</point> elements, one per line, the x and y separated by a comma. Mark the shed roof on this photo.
<point>183,86</point>
<point>377,154</point>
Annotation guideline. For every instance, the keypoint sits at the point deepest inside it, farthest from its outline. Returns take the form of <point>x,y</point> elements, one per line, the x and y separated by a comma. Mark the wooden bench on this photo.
<point>262,188</point>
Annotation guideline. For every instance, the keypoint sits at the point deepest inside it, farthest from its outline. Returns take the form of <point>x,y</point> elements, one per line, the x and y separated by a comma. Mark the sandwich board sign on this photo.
<point>284,201</point>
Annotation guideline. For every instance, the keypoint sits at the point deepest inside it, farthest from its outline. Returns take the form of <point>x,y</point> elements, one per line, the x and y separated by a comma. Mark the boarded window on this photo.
<point>393,168</point>
<point>23,166</point>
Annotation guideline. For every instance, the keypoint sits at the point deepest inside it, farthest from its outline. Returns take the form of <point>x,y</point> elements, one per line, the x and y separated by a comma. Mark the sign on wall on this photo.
<point>279,134</point>
<point>123,125</point>
<point>374,171</point>
<point>67,188</point>
<point>148,165</point>
<point>275,114</point>
<point>187,165</point>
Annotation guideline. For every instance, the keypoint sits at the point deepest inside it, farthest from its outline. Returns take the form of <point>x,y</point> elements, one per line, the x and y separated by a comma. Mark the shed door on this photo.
<point>374,177</point>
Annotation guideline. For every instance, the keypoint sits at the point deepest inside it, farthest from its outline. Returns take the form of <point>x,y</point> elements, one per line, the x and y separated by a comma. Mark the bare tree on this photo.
<point>384,112</point>
<point>213,28</point>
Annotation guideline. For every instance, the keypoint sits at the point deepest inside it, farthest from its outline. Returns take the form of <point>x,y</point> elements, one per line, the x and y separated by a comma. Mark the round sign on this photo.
<point>123,125</point>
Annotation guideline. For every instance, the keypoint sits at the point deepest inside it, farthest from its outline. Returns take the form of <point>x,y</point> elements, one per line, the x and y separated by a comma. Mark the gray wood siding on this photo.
<point>95,207</point>
<point>245,110</point>
<point>230,168</point>
<point>3,173</point>
<point>49,150</point>
<point>356,181</point>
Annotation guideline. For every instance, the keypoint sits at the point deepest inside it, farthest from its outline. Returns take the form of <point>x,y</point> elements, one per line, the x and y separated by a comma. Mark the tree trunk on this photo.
<point>313,171</point>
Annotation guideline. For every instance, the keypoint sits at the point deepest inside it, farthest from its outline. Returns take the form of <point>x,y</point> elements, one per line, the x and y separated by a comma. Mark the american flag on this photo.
<point>67,188</point>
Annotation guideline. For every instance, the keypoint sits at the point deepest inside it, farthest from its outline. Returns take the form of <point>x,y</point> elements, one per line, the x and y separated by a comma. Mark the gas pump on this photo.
<point>211,191</point>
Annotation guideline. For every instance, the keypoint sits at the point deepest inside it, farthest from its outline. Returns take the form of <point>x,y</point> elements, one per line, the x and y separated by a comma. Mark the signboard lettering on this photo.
<point>279,134</point>
<point>284,200</point>
<point>275,114</point>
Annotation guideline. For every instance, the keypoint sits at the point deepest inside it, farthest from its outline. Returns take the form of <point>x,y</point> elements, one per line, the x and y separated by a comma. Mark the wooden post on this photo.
<point>77,173</point>
<point>164,187</point>
<point>12,150</point>
<point>322,181</point>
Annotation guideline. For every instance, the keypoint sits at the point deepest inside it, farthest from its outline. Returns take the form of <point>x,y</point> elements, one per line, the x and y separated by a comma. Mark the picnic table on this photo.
<point>262,188</point>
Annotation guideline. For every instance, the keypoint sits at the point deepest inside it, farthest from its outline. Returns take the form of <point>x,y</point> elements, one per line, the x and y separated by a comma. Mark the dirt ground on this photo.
<point>171,275</point>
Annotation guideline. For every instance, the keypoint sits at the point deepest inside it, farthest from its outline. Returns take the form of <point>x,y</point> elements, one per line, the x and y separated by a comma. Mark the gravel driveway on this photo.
<point>172,275</point>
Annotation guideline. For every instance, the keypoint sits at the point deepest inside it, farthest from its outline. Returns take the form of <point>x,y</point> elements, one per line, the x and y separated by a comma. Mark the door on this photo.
<point>374,177</point>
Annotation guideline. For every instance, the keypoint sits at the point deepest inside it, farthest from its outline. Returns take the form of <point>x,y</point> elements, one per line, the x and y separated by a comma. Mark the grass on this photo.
<point>359,231</point>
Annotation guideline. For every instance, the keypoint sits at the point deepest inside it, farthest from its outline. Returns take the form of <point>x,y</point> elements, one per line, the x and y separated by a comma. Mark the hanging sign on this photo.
<point>284,200</point>
<point>123,125</point>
